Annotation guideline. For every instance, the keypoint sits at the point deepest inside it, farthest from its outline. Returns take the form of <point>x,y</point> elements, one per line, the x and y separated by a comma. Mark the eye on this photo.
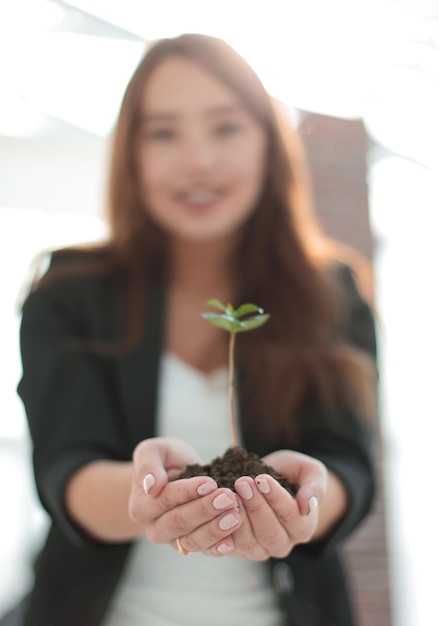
<point>228,128</point>
<point>159,134</point>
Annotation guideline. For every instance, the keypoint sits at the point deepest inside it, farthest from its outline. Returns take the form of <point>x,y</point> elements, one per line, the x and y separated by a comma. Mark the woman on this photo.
<point>125,384</point>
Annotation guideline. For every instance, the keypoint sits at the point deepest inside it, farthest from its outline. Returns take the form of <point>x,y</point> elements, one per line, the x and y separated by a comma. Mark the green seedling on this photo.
<point>246,317</point>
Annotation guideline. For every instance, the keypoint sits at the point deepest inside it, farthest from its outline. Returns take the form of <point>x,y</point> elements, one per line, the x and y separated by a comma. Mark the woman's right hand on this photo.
<point>193,510</point>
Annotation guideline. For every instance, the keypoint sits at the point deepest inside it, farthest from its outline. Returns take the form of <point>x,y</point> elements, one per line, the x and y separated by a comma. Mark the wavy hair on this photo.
<point>285,263</point>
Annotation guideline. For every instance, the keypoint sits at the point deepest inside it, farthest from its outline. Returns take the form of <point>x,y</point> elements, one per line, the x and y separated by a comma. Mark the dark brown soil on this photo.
<point>236,462</point>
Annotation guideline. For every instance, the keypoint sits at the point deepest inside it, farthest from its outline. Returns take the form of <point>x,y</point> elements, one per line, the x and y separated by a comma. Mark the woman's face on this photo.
<point>201,156</point>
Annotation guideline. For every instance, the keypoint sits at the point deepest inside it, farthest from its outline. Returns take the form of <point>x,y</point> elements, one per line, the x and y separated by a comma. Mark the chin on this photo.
<point>206,236</point>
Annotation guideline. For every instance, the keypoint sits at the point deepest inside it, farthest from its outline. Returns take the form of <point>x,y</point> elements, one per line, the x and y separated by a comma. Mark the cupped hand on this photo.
<point>273,522</point>
<point>193,510</point>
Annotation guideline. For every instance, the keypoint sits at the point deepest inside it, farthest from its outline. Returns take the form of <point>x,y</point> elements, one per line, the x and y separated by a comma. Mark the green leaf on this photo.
<point>253,322</point>
<point>244,309</point>
<point>216,304</point>
<point>209,315</point>
<point>232,325</point>
<point>230,309</point>
<point>223,321</point>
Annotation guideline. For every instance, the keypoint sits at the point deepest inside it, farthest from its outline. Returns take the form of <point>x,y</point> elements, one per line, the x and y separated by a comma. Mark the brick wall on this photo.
<point>336,151</point>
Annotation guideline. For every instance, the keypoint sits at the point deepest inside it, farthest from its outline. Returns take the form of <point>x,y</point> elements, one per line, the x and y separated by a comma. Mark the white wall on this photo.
<point>51,194</point>
<point>60,170</point>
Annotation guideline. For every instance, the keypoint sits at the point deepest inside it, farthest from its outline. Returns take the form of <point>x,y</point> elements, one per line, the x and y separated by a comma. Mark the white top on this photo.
<point>159,586</point>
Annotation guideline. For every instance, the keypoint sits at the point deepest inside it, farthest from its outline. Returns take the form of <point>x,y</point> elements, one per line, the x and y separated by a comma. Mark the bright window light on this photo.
<point>80,79</point>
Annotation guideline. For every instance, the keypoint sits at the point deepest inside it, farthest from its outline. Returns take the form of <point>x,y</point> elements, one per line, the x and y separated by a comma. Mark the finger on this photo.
<point>213,538</point>
<point>312,490</point>
<point>308,498</point>
<point>298,529</point>
<point>223,547</point>
<point>272,512</point>
<point>144,509</point>
<point>266,531</point>
<point>308,475</point>
<point>157,459</point>
<point>246,544</point>
<point>178,521</point>
<point>293,465</point>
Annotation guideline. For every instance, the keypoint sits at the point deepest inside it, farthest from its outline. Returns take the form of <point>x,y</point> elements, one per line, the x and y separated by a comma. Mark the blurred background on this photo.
<point>361,80</point>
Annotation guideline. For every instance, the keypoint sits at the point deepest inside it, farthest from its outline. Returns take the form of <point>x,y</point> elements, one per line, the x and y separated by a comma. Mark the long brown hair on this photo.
<point>284,260</point>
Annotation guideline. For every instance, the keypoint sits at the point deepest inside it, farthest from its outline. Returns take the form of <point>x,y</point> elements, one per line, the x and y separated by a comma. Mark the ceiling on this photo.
<point>66,63</point>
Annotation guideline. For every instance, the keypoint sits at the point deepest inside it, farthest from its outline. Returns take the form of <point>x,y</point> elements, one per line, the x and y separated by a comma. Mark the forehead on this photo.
<point>180,84</point>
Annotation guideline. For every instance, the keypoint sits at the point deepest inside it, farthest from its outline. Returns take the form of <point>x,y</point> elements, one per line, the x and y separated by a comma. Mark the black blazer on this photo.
<point>82,407</point>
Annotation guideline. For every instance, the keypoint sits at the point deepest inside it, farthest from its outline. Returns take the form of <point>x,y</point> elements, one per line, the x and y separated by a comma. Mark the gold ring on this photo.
<point>180,547</point>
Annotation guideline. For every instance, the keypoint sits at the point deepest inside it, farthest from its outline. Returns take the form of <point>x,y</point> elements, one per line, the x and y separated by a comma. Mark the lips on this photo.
<point>199,197</point>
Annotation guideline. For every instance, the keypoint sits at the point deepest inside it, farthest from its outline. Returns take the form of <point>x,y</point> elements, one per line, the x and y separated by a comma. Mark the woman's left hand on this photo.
<point>273,521</point>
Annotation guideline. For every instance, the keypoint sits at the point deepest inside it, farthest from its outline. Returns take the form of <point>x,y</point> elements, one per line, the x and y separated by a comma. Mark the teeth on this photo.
<point>200,196</point>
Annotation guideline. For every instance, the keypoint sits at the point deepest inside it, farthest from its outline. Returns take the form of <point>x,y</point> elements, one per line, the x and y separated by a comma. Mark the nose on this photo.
<point>198,155</point>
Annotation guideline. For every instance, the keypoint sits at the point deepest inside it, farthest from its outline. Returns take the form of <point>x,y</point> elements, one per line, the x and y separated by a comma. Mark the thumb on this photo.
<point>157,459</point>
<point>308,474</point>
<point>309,497</point>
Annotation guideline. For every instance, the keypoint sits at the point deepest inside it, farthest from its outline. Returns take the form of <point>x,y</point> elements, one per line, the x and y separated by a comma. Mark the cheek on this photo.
<point>251,167</point>
<point>249,156</point>
<point>152,174</point>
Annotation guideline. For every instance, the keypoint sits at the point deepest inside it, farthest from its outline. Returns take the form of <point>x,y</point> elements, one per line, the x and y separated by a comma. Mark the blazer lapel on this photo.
<point>138,372</point>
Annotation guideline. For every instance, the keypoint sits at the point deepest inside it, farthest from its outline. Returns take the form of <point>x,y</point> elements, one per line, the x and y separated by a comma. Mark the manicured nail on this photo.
<point>313,504</point>
<point>205,488</point>
<point>228,521</point>
<point>223,548</point>
<point>148,482</point>
<point>263,485</point>
<point>244,490</point>
<point>222,501</point>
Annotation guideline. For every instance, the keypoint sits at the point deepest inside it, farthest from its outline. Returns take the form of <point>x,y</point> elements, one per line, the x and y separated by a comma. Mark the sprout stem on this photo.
<point>231,388</point>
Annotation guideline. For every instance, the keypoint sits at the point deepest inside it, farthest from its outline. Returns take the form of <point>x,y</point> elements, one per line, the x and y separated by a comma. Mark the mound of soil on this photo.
<point>236,462</point>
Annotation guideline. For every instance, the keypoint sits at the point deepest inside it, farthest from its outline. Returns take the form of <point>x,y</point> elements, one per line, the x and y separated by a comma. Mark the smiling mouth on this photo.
<point>199,197</point>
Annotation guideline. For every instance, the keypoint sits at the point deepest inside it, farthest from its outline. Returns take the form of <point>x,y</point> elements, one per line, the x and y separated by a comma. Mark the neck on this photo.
<point>203,268</point>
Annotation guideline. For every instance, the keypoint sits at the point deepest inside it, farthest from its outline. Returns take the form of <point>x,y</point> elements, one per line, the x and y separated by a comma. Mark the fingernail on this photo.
<point>313,503</point>
<point>244,490</point>
<point>224,547</point>
<point>222,501</point>
<point>205,488</point>
<point>228,521</point>
<point>148,482</point>
<point>263,485</point>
